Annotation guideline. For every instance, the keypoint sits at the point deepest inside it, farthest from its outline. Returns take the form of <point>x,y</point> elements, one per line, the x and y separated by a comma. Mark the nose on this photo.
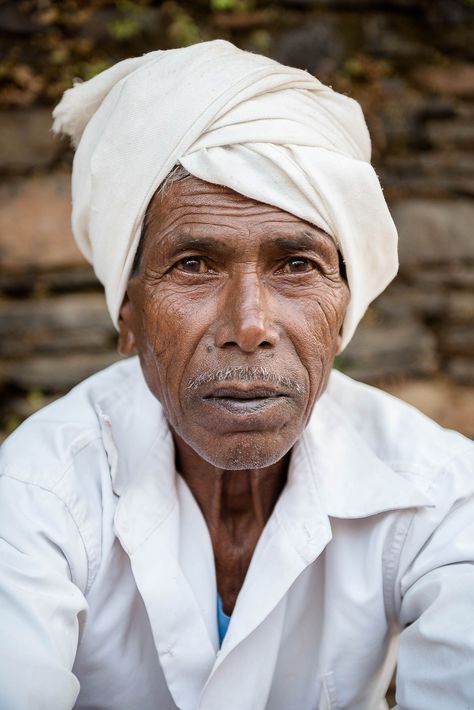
<point>246,321</point>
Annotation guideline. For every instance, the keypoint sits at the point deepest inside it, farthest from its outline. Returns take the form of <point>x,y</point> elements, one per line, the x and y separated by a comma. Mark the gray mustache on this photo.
<point>245,374</point>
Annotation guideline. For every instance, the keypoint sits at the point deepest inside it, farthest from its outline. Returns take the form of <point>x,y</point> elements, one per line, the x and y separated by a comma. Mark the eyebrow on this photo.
<point>305,241</point>
<point>183,242</point>
<point>301,242</point>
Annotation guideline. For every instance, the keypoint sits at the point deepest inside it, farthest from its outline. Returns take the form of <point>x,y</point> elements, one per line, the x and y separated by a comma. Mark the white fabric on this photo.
<point>270,132</point>
<point>107,581</point>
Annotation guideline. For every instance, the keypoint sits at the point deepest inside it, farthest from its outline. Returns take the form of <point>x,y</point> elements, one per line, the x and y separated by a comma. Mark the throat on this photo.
<point>236,506</point>
<point>240,497</point>
<point>242,503</point>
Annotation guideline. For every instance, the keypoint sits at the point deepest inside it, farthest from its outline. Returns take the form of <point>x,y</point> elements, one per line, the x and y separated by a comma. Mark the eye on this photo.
<point>297,265</point>
<point>192,265</point>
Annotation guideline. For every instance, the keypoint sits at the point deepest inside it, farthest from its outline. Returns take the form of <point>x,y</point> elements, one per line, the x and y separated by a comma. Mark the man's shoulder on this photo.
<point>408,441</point>
<point>45,445</point>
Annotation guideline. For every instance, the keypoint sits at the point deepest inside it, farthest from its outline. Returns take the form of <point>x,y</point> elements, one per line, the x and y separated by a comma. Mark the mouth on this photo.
<point>241,400</point>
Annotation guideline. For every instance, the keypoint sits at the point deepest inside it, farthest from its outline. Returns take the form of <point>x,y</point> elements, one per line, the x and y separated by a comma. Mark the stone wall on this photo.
<point>410,65</point>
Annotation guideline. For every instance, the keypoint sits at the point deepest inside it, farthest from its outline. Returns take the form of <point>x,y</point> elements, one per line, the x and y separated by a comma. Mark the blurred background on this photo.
<point>408,62</point>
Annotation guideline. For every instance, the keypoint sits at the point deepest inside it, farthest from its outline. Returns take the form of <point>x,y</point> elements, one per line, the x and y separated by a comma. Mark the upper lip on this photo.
<point>248,391</point>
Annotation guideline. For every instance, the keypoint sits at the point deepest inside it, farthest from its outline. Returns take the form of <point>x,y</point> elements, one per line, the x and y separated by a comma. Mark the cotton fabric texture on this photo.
<point>270,132</point>
<point>107,576</point>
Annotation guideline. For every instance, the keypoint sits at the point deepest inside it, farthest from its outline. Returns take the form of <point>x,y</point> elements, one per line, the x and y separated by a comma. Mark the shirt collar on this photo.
<point>140,451</point>
<point>342,473</point>
<point>353,481</point>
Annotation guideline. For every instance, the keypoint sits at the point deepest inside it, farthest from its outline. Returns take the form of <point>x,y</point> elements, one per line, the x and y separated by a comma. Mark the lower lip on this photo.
<point>243,407</point>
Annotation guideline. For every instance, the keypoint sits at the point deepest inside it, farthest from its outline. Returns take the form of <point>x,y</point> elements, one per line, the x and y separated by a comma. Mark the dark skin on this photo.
<point>235,312</point>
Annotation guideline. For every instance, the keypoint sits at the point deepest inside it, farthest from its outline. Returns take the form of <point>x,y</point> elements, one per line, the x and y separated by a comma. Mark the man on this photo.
<point>224,524</point>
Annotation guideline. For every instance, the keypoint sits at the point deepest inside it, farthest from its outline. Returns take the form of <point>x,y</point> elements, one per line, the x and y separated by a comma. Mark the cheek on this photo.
<point>326,316</point>
<point>314,329</point>
<point>172,330</point>
<point>177,311</point>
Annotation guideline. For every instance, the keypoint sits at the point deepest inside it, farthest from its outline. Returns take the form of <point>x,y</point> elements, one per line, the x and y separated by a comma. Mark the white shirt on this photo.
<point>107,579</point>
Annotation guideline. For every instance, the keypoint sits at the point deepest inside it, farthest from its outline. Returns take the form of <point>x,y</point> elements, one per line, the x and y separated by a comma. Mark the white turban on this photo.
<point>267,131</point>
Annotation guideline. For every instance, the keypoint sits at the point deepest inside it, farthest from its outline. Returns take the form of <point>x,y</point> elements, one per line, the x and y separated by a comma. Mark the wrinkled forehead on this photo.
<point>191,206</point>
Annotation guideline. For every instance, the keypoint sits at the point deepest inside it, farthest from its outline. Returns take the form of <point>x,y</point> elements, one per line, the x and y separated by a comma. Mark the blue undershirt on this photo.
<point>223,620</point>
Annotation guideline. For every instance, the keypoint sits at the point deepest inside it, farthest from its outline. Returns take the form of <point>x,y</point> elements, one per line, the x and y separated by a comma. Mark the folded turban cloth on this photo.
<point>270,132</point>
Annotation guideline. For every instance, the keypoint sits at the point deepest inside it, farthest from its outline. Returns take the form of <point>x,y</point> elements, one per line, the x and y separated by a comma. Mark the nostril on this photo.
<point>265,345</point>
<point>229,344</point>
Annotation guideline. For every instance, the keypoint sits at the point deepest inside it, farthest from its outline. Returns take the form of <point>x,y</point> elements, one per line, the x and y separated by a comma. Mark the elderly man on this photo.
<point>223,524</point>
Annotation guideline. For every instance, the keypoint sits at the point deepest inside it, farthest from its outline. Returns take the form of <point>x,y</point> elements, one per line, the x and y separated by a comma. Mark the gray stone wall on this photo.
<point>410,64</point>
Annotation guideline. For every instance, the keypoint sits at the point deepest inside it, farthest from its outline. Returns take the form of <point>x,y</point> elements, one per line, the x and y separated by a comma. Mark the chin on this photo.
<point>249,452</point>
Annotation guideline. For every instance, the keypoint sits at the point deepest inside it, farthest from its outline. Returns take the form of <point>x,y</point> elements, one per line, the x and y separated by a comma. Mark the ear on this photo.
<point>126,339</point>
<point>339,342</point>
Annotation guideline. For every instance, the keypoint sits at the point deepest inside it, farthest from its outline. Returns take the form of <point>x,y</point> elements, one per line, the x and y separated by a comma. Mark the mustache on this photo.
<point>245,373</point>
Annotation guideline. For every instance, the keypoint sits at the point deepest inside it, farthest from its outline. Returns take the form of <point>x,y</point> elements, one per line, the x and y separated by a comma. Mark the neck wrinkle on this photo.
<point>227,496</point>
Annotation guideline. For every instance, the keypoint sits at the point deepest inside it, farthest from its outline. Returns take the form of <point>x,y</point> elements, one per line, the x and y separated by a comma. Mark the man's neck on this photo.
<point>236,506</point>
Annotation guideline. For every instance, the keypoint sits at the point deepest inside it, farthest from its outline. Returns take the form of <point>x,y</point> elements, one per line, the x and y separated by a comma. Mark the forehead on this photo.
<point>193,205</point>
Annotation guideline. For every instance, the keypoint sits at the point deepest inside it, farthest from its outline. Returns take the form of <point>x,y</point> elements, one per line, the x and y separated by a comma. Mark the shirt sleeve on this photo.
<point>436,598</point>
<point>42,560</point>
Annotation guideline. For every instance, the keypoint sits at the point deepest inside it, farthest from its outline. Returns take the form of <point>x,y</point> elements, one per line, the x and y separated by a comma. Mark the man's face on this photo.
<point>235,312</point>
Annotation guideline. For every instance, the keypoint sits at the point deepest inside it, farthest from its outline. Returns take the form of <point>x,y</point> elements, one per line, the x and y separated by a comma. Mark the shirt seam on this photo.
<point>76,525</point>
<point>92,564</point>
<point>404,535</point>
<point>391,560</point>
